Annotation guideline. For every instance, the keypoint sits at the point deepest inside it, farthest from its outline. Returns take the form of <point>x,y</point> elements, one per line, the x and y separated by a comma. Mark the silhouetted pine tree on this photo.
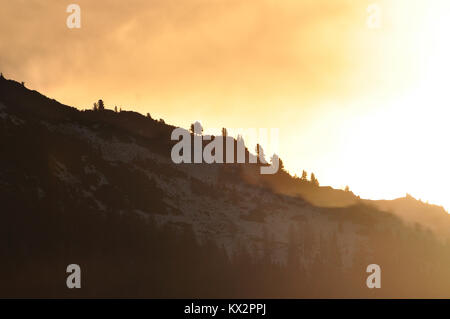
<point>101,105</point>
<point>314,180</point>
<point>304,176</point>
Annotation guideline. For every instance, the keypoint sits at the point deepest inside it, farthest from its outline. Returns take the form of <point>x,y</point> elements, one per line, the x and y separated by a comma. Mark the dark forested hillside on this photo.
<point>98,189</point>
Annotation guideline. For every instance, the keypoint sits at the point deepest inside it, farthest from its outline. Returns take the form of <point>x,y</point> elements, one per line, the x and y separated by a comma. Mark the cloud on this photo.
<point>165,47</point>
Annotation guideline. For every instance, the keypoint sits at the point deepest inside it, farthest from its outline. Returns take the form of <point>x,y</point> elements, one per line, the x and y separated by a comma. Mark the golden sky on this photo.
<point>357,105</point>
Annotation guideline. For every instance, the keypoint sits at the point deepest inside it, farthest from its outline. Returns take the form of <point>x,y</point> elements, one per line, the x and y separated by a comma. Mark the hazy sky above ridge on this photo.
<point>357,105</point>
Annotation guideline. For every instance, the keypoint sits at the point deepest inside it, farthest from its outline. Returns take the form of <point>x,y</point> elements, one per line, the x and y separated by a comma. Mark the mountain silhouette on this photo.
<point>98,188</point>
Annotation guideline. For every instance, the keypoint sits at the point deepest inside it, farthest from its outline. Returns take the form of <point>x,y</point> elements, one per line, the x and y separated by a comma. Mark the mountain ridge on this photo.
<point>62,165</point>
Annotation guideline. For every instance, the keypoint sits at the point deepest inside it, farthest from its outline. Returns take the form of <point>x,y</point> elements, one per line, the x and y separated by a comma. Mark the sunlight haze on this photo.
<point>358,106</point>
